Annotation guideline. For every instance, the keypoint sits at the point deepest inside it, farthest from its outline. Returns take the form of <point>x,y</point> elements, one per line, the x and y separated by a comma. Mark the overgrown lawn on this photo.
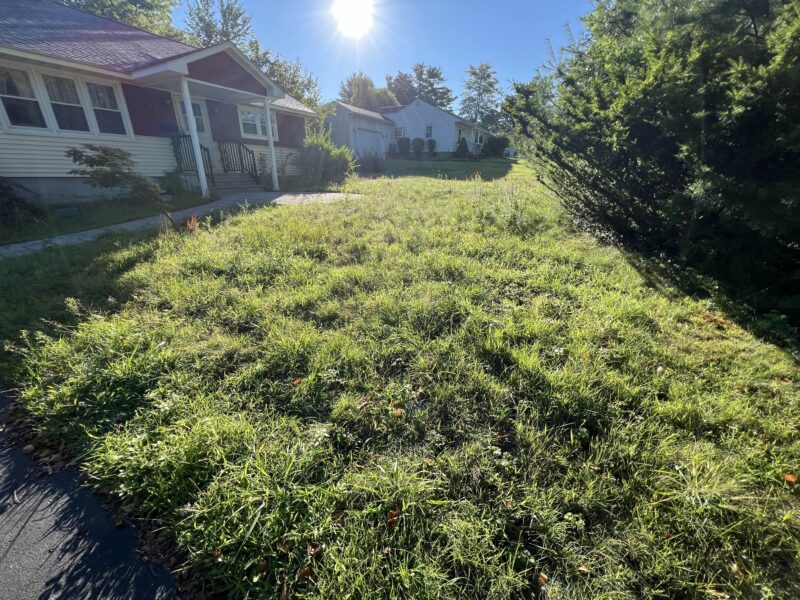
<point>436,391</point>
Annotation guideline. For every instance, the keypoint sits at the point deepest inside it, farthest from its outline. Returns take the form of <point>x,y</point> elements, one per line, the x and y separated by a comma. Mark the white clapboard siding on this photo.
<point>284,158</point>
<point>24,155</point>
<point>415,117</point>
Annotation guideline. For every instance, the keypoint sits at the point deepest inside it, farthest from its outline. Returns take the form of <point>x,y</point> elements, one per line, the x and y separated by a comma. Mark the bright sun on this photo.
<point>354,17</point>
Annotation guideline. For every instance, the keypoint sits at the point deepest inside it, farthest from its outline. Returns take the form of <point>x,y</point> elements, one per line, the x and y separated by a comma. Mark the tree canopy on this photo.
<point>425,82</point>
<point>674,127</point>
<point>152,15</point>
<point>359,90</point>
<point>480,102</point>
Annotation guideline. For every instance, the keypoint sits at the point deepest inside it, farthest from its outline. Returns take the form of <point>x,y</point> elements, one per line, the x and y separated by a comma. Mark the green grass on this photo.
<point>437,391</point>
<point>489,169</point>
<point>70,218</point>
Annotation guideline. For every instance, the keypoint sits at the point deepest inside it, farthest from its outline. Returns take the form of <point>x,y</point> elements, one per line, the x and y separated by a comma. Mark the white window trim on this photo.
<point>402,132</point>
<point>177,104</point>
<point>43,98</point>
<point>258,111</point>
<point>426,131</point>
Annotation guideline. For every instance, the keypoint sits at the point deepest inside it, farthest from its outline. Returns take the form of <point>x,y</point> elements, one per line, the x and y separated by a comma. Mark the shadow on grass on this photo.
<point>489,169</point>
<point>767,304</point>
<point>36,286</point>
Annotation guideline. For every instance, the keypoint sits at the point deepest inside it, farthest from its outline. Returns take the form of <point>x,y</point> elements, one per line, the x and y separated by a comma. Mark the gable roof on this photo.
<point>52,29</point>
<point>366,113</point>
<point>396,109</point>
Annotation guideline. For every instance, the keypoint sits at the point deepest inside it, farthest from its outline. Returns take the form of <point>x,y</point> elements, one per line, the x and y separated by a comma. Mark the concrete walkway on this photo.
<point>228,203</point>
<point>58,541</point>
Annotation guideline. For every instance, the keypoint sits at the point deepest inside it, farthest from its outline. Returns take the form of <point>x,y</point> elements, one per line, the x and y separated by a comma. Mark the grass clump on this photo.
<point>436,391</point>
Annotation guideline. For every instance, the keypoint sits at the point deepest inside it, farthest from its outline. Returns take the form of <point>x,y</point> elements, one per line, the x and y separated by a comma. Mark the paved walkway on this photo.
<point>225,204</point>
<point>57,540</point>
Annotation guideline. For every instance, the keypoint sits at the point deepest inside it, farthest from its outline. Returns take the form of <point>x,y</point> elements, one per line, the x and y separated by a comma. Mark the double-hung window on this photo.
<point>106,108</point>
<point>428,132</point>
<point>254,123</point>
<point>66,103</point>
<point>19,99</point>
<point>399,132</point>
<point>198,116</point>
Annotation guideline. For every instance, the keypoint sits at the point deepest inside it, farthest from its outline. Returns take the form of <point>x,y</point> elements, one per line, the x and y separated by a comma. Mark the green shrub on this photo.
<point>322,163</point>
<point>462,150</point>
<point>264,175</point>
<point>113,168</point>
<point>392,150</point>
<point>431,143</point>
<point>14,209</point>
<point>496,145</point>
<point>403,146</point>
<point>419,147</point>
<point>371,163</point>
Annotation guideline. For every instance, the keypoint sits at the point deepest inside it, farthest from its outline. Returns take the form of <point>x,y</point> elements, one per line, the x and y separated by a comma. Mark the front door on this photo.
<point>200,115</point>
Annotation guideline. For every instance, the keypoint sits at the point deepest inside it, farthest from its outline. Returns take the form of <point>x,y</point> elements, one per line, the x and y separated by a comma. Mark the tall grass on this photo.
<point>437,391</point>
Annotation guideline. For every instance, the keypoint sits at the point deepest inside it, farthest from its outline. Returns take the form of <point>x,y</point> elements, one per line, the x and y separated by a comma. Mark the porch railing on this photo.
<point>184,155</point>
<point>237,158</point>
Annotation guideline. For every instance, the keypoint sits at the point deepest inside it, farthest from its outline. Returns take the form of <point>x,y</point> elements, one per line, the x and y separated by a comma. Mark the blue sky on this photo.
<point>511,35</point>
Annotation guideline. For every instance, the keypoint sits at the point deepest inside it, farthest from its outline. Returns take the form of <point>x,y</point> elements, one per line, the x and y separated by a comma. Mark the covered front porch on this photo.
<point>227,113</point>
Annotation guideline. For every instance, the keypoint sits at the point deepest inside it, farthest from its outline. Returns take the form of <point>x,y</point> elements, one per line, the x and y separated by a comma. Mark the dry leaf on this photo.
<point>392,518</point>
<point>305,573</point>
<point>429,462</point>
<point>29,449</point>
<point>542,579</point>
<point>790,478</point>
<point>286,545</point>
<point>315,548</point>
<point>297,382</point>
<point>398,413</point>
<point>584,569</point>
<point>217,555</point>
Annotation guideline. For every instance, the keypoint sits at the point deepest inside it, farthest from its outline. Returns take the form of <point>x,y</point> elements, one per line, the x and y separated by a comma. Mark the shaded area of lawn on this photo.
<point>37,286</point>
<point>439,390</point>
<point>489,168</point>
<point>73,217</point>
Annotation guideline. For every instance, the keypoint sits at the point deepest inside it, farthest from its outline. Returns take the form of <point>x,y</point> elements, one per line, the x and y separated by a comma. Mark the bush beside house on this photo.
<point>322,163</point>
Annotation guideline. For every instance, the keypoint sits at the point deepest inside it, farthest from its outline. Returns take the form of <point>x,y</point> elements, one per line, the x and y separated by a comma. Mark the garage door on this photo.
<point>370,142</point>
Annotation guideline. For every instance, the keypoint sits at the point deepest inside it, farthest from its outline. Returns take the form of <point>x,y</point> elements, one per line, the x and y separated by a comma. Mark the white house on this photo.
<point>421,119</point>
<point>368,132</point>
<point>363,131</point>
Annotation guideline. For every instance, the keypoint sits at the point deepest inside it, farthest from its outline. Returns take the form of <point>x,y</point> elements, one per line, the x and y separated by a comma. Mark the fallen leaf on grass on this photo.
<point>790,478</point>
<point>297,382</point>
<point>305,573</point>
<point>315,549</point>
<point>542,579</point>
<point>217,554</point>
<point>392,518</point>
<point>584,569</point>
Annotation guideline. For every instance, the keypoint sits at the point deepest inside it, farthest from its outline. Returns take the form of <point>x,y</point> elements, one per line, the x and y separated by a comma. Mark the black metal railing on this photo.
<point>237,158</point>
<point>184,155</point>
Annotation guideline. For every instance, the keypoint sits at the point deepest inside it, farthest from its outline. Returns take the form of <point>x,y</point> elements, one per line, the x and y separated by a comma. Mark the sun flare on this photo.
<point>354,17</point>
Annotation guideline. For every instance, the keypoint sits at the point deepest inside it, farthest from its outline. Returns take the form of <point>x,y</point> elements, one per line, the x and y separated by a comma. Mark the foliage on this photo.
<point>418,144</point>
<point>496,145</point>
<point>425,82</point>
<point>152,15</point>
<point>393,152</point>
<point>322,163</point>
<point>290,75</point>
<point>431,144</point>
<point>480,101</point>
<point>371,163</point>
<point>673,128</point>
<point>359,90</point>
<point>215,21</point>
<point>403,146</point>
<point>438,390</point>
<point>462,149</point>
<point>14,209</point>
<point>108,167</point>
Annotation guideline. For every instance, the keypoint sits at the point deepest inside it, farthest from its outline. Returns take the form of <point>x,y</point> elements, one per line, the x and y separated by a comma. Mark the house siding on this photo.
<point>359,133</point>
<point>32,155</point>
<point>284,158</point>
<point>416,116</point>
<point>225,126</point>
<point>223,70</point>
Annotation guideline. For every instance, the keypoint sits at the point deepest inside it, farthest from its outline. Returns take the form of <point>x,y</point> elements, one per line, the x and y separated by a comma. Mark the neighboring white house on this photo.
<point>421,119</point>
<point>367,132</point>
<point>363,131</point>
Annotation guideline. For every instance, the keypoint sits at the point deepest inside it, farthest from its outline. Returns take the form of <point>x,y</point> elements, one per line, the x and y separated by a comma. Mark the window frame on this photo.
<point>259,112</point>
<point>35,74</point>
<point>182,118</point>
<point>402,131</point>
<point>427,127</point>
<point>5,119</point>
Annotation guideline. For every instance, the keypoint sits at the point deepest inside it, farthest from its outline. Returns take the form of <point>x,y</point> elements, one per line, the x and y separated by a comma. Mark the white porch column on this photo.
<point>198,153</point>
<point>268,113</point>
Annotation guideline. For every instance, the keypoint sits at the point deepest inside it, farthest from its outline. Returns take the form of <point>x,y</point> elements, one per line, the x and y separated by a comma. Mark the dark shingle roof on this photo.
<point>290,103</point>
<point>366,113</point>
<point>49,28</point>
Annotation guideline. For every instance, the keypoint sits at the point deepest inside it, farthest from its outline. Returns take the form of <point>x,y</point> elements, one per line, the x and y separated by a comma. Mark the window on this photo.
<point>428,132</point>
<point>475,137</point>
<point>19,99</point>
<point>66,103</point>
<point>106,109</point>
<point>254,123</point>
<point>460,134</point>
<point>198,116</point>
<point>399,132</point>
